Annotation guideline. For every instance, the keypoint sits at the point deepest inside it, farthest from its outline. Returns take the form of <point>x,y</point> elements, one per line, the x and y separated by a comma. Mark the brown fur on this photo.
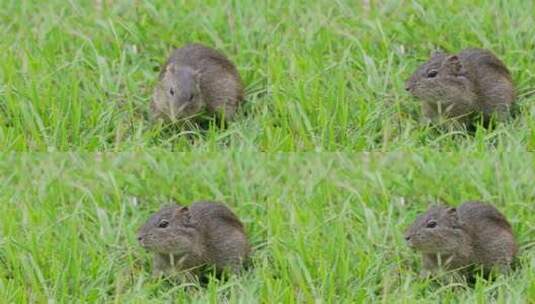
<point>202,73</point>
<point>475,234</point>
<point>203,234</point>
<point>472,82</point>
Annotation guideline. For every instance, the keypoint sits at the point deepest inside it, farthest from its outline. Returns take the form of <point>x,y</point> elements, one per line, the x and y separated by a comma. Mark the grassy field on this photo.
<point>326,228</point>
<point>320,75</point>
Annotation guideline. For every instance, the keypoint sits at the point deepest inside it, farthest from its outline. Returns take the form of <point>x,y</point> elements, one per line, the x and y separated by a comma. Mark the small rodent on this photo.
<point>188,238</point>
<point>197,79</point>
<point>472,82</point>
<point>474,234</point>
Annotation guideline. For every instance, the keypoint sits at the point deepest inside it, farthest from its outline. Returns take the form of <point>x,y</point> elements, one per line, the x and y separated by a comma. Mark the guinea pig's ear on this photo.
<point>182,212</point>
<point>454,64</point>
<point>452,213</point>
<point>171,68</point>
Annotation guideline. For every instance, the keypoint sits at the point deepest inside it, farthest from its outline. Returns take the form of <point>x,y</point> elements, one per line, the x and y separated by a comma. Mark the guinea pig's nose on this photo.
<point>407,238</point>
<point>139,238</point>
<point>407,88</point>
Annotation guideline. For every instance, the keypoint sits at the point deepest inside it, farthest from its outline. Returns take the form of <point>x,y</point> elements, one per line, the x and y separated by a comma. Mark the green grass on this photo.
<point>320,75</point>
<point>326,228</point>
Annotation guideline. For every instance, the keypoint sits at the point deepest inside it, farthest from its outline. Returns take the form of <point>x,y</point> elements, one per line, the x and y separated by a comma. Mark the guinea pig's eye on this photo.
<point>172,92</point>
<point>163,224</point>
<point>431,224</point>
<point>432,73</point>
